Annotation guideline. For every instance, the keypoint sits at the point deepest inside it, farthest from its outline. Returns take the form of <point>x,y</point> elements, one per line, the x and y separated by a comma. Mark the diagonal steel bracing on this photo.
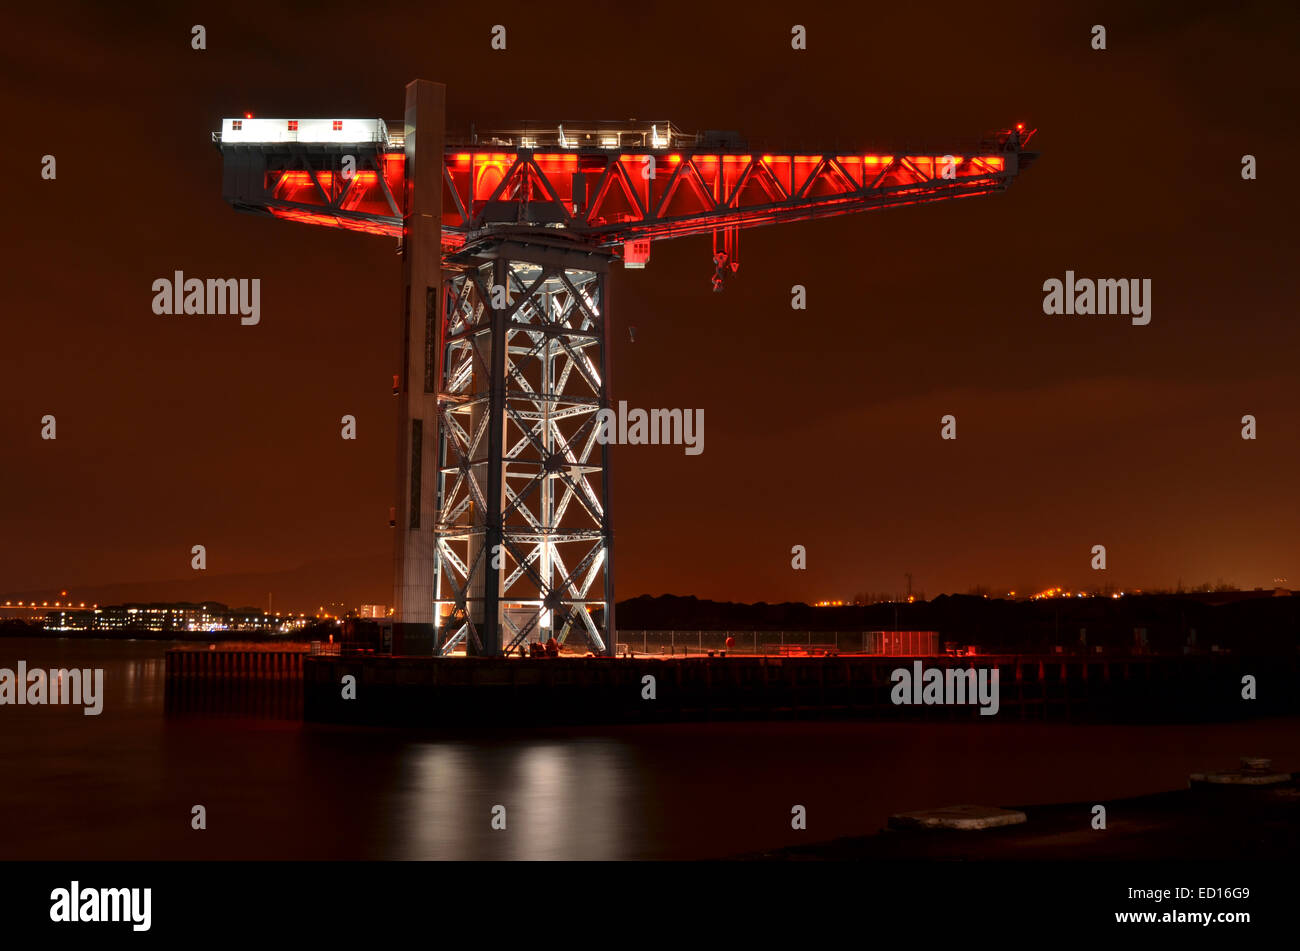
<point>524,547</point>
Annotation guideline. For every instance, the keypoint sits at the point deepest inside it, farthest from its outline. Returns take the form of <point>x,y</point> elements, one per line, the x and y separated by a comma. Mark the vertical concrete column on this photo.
<point>417,414</point>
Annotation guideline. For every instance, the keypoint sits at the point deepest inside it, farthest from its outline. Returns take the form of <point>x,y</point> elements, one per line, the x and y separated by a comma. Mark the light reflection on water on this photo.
<point>562,800</point>
<point>121,785</point>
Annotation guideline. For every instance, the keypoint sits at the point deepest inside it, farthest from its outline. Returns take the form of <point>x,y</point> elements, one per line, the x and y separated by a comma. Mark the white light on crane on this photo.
<point>303,130</point>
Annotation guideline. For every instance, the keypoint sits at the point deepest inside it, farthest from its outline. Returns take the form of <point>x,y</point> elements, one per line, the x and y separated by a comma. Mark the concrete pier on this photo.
<point>457,691</point>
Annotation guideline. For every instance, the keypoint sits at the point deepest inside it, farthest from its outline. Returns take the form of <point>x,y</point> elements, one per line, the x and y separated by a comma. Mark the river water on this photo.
<point>122,785</point>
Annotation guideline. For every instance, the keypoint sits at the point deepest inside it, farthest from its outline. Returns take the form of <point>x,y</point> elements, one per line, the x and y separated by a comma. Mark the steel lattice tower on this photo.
<point>522,485</point>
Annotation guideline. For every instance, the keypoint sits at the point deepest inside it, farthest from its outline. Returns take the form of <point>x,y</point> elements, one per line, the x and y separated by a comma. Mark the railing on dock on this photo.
<point>262,681</point>
<point>782,643</point>
<point>282,662</point>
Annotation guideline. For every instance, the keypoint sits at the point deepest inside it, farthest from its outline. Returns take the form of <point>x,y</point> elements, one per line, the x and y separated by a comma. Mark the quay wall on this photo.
<point>491,691</point>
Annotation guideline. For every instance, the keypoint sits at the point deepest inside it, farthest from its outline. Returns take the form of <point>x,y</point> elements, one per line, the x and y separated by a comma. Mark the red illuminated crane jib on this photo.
<point>618,197</point>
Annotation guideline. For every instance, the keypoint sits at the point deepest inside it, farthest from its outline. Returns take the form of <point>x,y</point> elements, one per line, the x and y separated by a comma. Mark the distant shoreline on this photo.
<point>191,637</point>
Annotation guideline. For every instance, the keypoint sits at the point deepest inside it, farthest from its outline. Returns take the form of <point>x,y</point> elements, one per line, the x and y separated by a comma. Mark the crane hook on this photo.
<point>720,263</point>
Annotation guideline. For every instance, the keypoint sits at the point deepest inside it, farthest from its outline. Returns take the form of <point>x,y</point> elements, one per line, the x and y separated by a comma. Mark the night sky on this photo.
<point>821,426</point>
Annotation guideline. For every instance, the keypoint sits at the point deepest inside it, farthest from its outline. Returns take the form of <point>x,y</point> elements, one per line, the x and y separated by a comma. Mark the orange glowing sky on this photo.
<point>821,426</point>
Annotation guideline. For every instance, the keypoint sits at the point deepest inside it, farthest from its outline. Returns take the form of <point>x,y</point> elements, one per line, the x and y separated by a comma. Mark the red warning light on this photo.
<point>248,115</point>
<point>1020,127</point>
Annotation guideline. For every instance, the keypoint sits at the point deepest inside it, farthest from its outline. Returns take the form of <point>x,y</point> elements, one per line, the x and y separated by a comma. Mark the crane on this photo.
<point>504,523</point>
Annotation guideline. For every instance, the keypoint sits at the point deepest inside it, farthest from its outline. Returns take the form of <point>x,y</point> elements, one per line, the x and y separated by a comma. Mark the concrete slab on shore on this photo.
<point>1255,771</point>
<point>1202,823</point>
<point>968,818</point>
<point>1240,777</point>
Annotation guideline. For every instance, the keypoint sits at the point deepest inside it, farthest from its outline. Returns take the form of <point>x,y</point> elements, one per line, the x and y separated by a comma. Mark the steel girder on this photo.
<point>524,537</point>
<point>611,197</point>
<point>607,197</point>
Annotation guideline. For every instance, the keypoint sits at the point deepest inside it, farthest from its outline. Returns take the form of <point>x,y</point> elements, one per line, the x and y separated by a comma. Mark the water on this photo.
<point>121,785</point>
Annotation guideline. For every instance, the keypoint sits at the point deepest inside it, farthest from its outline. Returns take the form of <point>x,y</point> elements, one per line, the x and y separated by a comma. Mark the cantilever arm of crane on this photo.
<point>613,198</point>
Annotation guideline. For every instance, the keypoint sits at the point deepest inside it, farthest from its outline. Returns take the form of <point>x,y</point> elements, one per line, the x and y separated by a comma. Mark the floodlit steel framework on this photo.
<point>614,198</point>
<point>522,485</point>
<point>504,524</point>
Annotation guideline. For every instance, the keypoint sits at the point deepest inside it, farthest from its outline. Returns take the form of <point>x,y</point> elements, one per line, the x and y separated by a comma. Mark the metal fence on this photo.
<point>677,643</point>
